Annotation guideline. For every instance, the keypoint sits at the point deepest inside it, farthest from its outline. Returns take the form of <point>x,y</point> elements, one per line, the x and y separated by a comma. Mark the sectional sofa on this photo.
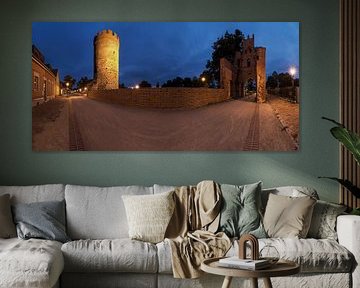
<point>102,255</point>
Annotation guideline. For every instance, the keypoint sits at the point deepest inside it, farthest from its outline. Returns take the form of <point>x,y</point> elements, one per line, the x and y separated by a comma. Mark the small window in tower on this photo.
<point>36,83</point>
<point>248,63</point>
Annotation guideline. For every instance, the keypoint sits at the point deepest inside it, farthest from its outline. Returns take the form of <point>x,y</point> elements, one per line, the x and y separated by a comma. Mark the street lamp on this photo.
<point>203,79</point>
<point>292,72</point>
<point>137,86</point>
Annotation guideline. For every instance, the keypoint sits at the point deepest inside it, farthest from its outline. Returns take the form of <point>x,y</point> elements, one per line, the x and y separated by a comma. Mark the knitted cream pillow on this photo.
<point>149,215</point>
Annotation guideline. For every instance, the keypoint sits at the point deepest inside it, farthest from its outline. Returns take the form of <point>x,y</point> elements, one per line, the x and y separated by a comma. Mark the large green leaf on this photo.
<point>348,138</point>
<point>348,185</point>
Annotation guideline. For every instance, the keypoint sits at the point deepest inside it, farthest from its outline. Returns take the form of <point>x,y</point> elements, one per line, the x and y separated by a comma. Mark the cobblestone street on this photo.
<point>85,124</point>
<point>288,114</point>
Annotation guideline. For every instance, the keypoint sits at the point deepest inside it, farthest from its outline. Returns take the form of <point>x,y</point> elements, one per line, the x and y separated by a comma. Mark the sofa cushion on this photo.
<point>287,216</point>
<point>240,210</point>
<point>313,255</point>
<point>7,226</point>
<point>149,215</point>
<point>323,222</point>
<point>163,188</point>
<point>36,193</point>
<point>43,220</point>
<point>291,191</point>
<point>116,255</point>
<point>98,213</point>
<point>30,263</point>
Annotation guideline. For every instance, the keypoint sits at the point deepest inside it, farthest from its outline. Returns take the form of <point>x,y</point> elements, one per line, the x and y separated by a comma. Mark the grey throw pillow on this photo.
<point>323,222</point>
<point>7,227</point>
<point>44,220</point>
<point>240,213</point>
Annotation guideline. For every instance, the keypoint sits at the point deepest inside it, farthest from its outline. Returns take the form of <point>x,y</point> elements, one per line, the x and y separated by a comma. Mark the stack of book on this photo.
<point>236,262</point>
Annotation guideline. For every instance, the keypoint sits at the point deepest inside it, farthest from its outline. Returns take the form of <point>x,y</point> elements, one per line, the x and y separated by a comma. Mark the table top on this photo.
<point>281,268</point>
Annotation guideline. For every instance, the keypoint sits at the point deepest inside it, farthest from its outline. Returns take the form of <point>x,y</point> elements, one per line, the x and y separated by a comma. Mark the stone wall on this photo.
<point>161,97</point>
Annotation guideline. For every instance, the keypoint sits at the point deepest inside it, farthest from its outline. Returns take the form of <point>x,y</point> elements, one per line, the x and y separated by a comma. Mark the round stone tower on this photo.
<point>106,60</point>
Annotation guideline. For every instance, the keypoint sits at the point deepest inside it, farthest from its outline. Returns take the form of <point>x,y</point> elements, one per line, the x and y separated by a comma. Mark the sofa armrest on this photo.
<point>348,230</point>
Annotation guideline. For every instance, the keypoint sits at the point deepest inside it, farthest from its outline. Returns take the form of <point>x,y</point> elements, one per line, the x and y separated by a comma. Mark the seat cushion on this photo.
<point>313,255</point>
<point>117,255</point>
<point>98,212</point>
<point>30,263</point>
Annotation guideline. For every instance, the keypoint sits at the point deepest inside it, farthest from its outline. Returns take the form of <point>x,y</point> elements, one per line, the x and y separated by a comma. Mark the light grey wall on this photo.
<point>319,96</point>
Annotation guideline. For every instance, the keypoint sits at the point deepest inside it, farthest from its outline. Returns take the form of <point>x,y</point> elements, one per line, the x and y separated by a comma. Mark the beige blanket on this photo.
<point>192,227</point>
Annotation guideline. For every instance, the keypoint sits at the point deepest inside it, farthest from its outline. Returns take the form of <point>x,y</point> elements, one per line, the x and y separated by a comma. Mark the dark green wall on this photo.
<point>319,96</point>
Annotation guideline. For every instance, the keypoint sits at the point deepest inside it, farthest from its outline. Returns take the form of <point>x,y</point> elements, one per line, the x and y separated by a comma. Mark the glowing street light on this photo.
<point>203,79</point>
<point>67,84</point>
<point>137,86</point>
<point>292,71</point>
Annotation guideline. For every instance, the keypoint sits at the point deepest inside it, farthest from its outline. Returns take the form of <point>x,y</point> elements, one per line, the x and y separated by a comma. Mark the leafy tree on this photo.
<point>69,79</point>
<point>225,46</point>
<point>184,82</point>
<point>272,81</point>
<point>83,82</point>
<point>144,84</point>
<point>285,80</point>
<point>296,82</point>
<point>122,85</point>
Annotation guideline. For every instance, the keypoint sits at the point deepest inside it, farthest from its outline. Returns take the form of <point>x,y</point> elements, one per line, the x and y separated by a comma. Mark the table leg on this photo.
<point>227,282</point>
<point>267,283</point>
<point>254,282</point>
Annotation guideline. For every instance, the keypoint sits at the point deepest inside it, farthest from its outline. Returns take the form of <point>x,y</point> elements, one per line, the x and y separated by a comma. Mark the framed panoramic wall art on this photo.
<point>165,86</point>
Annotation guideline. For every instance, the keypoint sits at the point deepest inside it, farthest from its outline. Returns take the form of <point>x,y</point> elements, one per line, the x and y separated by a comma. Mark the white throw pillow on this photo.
<point>149,215</point>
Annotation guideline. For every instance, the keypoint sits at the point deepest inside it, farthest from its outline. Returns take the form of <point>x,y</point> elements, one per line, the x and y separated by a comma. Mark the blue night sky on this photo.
<point>159,51</point>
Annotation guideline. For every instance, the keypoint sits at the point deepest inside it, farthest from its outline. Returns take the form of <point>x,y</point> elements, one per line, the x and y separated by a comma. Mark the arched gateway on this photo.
<point>248,64</point>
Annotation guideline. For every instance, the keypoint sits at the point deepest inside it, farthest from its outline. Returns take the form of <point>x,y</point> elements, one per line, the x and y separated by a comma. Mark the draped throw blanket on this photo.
<point>191,231</point>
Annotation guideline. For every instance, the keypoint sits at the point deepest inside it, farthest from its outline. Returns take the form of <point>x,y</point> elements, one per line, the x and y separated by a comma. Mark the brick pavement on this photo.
<point>288,114</point>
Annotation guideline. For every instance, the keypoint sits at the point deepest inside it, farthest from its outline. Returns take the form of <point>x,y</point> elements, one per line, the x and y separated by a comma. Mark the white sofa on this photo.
<point>101,255</point>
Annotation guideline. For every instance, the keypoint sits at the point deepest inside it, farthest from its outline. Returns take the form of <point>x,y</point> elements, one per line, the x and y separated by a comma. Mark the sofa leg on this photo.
<point>254,282</point>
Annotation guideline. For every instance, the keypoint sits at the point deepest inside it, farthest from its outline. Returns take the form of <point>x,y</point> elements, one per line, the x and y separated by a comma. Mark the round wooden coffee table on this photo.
<point>281,268</point>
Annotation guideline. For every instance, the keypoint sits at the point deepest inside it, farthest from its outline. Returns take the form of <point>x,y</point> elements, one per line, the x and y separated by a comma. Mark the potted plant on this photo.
<point>351,142</point>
